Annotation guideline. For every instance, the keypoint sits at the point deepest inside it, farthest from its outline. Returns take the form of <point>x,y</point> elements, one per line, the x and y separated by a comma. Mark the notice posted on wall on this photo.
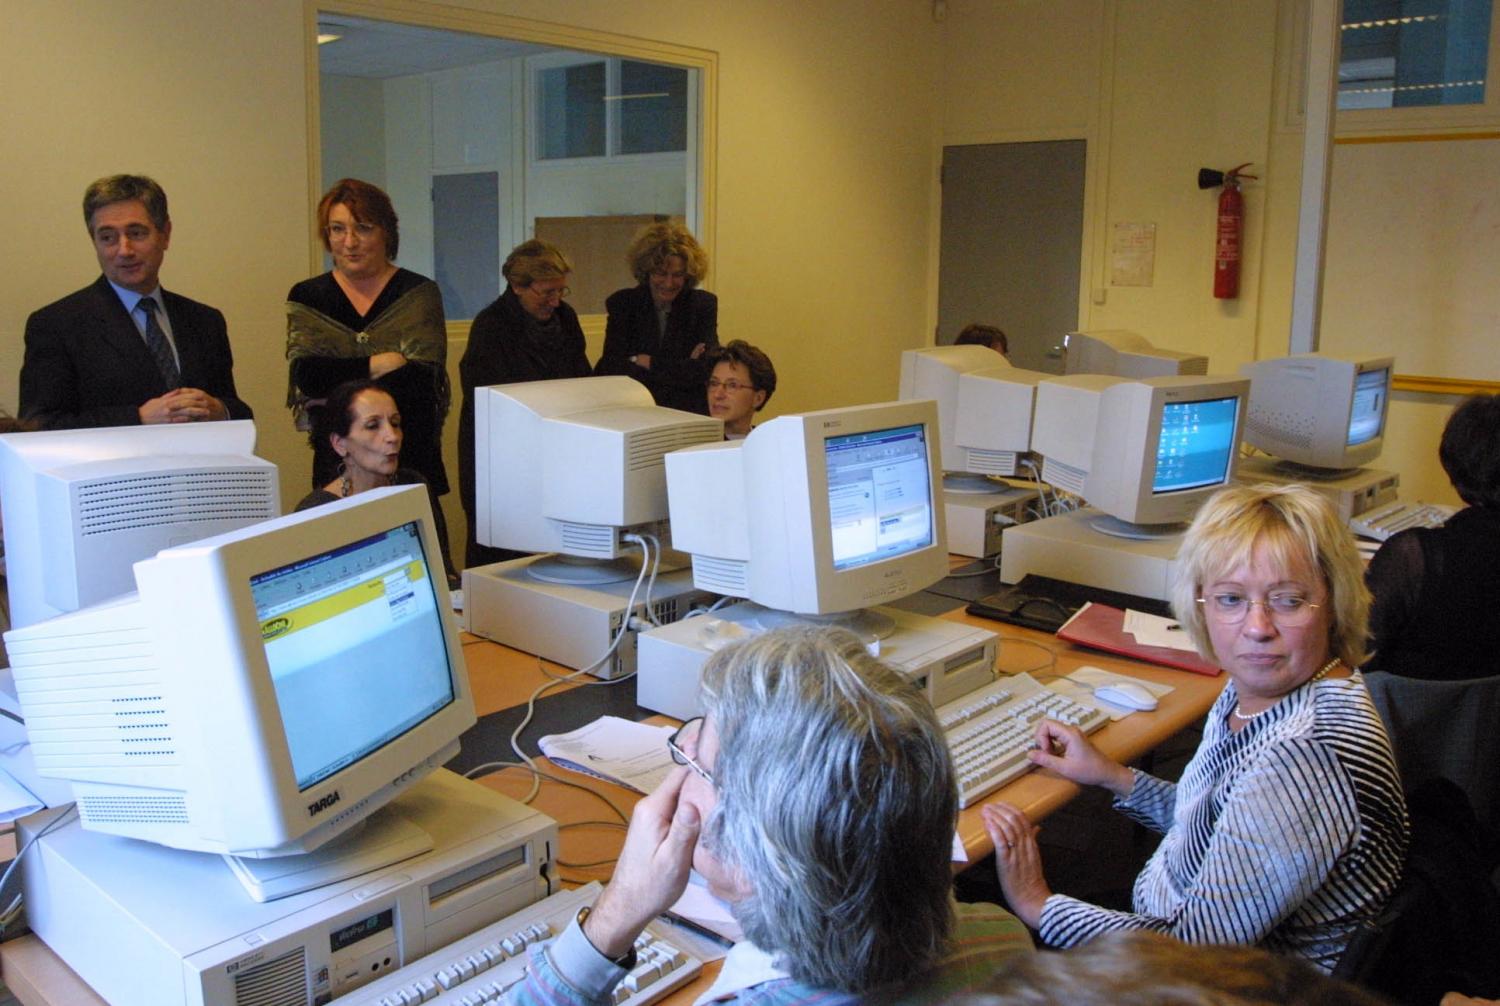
<point>1132,255</point>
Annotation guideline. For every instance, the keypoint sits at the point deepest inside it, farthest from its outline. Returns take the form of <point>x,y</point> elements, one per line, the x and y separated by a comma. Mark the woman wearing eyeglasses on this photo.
<point>740,384</point>
<point>368,319</point>
<point>1288,828</point>
<point>529,333</point>
<point>661,330</point>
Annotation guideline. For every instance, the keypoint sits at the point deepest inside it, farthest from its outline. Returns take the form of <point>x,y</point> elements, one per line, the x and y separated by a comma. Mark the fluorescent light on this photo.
<point>1391,22</point>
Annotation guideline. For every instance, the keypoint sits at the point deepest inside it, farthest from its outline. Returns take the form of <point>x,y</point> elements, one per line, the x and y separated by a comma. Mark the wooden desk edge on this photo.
<point>1039,792</point>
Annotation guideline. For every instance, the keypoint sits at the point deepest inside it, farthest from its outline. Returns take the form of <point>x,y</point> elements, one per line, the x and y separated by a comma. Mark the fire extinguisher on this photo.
<point>1230,234</point>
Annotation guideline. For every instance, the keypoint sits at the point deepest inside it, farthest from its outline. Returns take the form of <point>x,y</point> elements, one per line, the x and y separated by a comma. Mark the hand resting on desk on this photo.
<point>1018,860</point>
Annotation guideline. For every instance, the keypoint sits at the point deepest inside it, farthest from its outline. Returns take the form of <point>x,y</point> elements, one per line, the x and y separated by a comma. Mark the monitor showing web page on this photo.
<point>1367,413</point>
<point>879,494</point>
<point>354,641</point>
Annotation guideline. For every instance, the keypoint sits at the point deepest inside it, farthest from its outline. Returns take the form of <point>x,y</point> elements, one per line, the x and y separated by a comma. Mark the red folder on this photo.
<point>1100,627</point>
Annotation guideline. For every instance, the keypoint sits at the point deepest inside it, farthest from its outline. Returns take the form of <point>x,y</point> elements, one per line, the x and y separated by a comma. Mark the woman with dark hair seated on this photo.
<point>1436,592</point>
<point>987,336</point>
<point>659,331</point>
<point>740,384</point>
<point>360,424</point>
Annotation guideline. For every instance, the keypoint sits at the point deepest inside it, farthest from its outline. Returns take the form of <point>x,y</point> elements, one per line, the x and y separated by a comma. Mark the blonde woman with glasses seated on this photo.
<point>1288,828</point>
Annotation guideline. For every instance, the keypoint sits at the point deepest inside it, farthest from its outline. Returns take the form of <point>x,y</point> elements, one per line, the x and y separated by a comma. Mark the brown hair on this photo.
<point>1470,450</point>
<point>755,362</point>
<point>657,242</point>
<point>118,189</point>
<point>368,204</point>
<point>532,260</point>
<point>1140,968</point>
<point>983,335</point>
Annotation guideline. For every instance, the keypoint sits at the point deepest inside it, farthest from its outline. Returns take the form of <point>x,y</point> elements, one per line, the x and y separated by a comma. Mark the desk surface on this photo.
<point>503,678</point>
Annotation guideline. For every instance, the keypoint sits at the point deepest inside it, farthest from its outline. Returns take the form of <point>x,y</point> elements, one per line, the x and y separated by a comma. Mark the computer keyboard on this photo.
<point>991,729</point>
<point>477,969</point>
<point>1384,521</point>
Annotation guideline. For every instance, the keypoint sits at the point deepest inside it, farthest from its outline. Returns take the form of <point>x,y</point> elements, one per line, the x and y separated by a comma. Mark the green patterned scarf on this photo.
<point>412,326</point>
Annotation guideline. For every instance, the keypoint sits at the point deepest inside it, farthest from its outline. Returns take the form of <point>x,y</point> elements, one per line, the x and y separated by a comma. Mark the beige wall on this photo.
<point>1160,88</point>
<point>353,142</point>
<point>831,117</point>
<point>207,97</point>
<point>826,144</point>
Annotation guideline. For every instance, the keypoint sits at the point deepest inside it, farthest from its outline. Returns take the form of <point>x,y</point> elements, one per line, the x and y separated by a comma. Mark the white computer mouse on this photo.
<point>1127,694</point>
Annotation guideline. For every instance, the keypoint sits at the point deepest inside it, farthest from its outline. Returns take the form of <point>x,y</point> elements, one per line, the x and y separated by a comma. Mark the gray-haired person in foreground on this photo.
<point>817,797</point>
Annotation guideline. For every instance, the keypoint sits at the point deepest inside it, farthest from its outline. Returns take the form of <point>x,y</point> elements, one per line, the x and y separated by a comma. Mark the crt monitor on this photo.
<point>1125,354</point>
<point>264,690</point>
<point>1146,453</point>
<point>80,506</point>
<point>571,466</point>
<point>820,513</point>
<point>984,410</point>
<point>1319,411</point>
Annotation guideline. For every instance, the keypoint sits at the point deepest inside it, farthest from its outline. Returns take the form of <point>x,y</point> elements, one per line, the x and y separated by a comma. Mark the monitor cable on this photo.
<point>626,625</point>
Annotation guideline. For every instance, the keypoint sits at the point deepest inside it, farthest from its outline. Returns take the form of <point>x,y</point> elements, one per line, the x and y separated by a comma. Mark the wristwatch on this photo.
<point>634,357</point>
<point>625,960</point>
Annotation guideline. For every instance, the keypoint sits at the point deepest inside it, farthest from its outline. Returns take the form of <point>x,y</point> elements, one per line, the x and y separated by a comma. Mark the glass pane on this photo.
<point>1402,53</point>
<point>571,112</point>
<point>466,241</point>
<point>653,108</point>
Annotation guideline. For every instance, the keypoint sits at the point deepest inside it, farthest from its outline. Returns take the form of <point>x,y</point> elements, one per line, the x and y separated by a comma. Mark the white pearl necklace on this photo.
<point>1322,673</point>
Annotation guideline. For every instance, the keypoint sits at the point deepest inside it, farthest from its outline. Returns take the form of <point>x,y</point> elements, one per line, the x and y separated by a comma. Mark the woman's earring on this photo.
<point>345,485</point>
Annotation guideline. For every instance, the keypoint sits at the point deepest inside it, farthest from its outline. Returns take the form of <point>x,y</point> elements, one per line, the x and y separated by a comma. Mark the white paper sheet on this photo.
<point>1153,630</point>
<point>634,755</point>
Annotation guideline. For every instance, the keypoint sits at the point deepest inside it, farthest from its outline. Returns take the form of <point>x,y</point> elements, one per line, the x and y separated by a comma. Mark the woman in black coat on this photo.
<point>528,334</point>
<point>660,331</point>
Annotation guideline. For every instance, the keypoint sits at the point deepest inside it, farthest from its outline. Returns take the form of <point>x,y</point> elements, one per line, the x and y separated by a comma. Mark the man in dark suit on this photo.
<point>123,350</point>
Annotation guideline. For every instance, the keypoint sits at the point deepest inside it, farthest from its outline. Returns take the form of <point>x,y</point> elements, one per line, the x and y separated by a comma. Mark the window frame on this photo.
<point>1409,120</point>
<point>537,65</point>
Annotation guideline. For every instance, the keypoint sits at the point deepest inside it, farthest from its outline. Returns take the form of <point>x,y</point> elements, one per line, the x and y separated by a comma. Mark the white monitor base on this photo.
<point>871,625</point>
<point>1352,492</point>
<point>947,659</point>
<point>146,925</point>
<point>381,840</point>
<point>569,623</point>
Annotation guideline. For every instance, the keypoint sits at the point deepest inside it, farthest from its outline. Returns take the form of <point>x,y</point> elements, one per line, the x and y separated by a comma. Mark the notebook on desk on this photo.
<point>1102,627</point>
<point>1040,602</point>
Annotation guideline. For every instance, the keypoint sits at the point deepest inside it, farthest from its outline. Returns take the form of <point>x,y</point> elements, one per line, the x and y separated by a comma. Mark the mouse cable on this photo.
<point>1047,665</point>
<point>555,680</point>
<point>493,767</point>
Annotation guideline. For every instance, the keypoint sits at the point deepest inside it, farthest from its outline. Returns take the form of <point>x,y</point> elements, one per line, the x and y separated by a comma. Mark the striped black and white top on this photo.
<point>1286,834</point>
